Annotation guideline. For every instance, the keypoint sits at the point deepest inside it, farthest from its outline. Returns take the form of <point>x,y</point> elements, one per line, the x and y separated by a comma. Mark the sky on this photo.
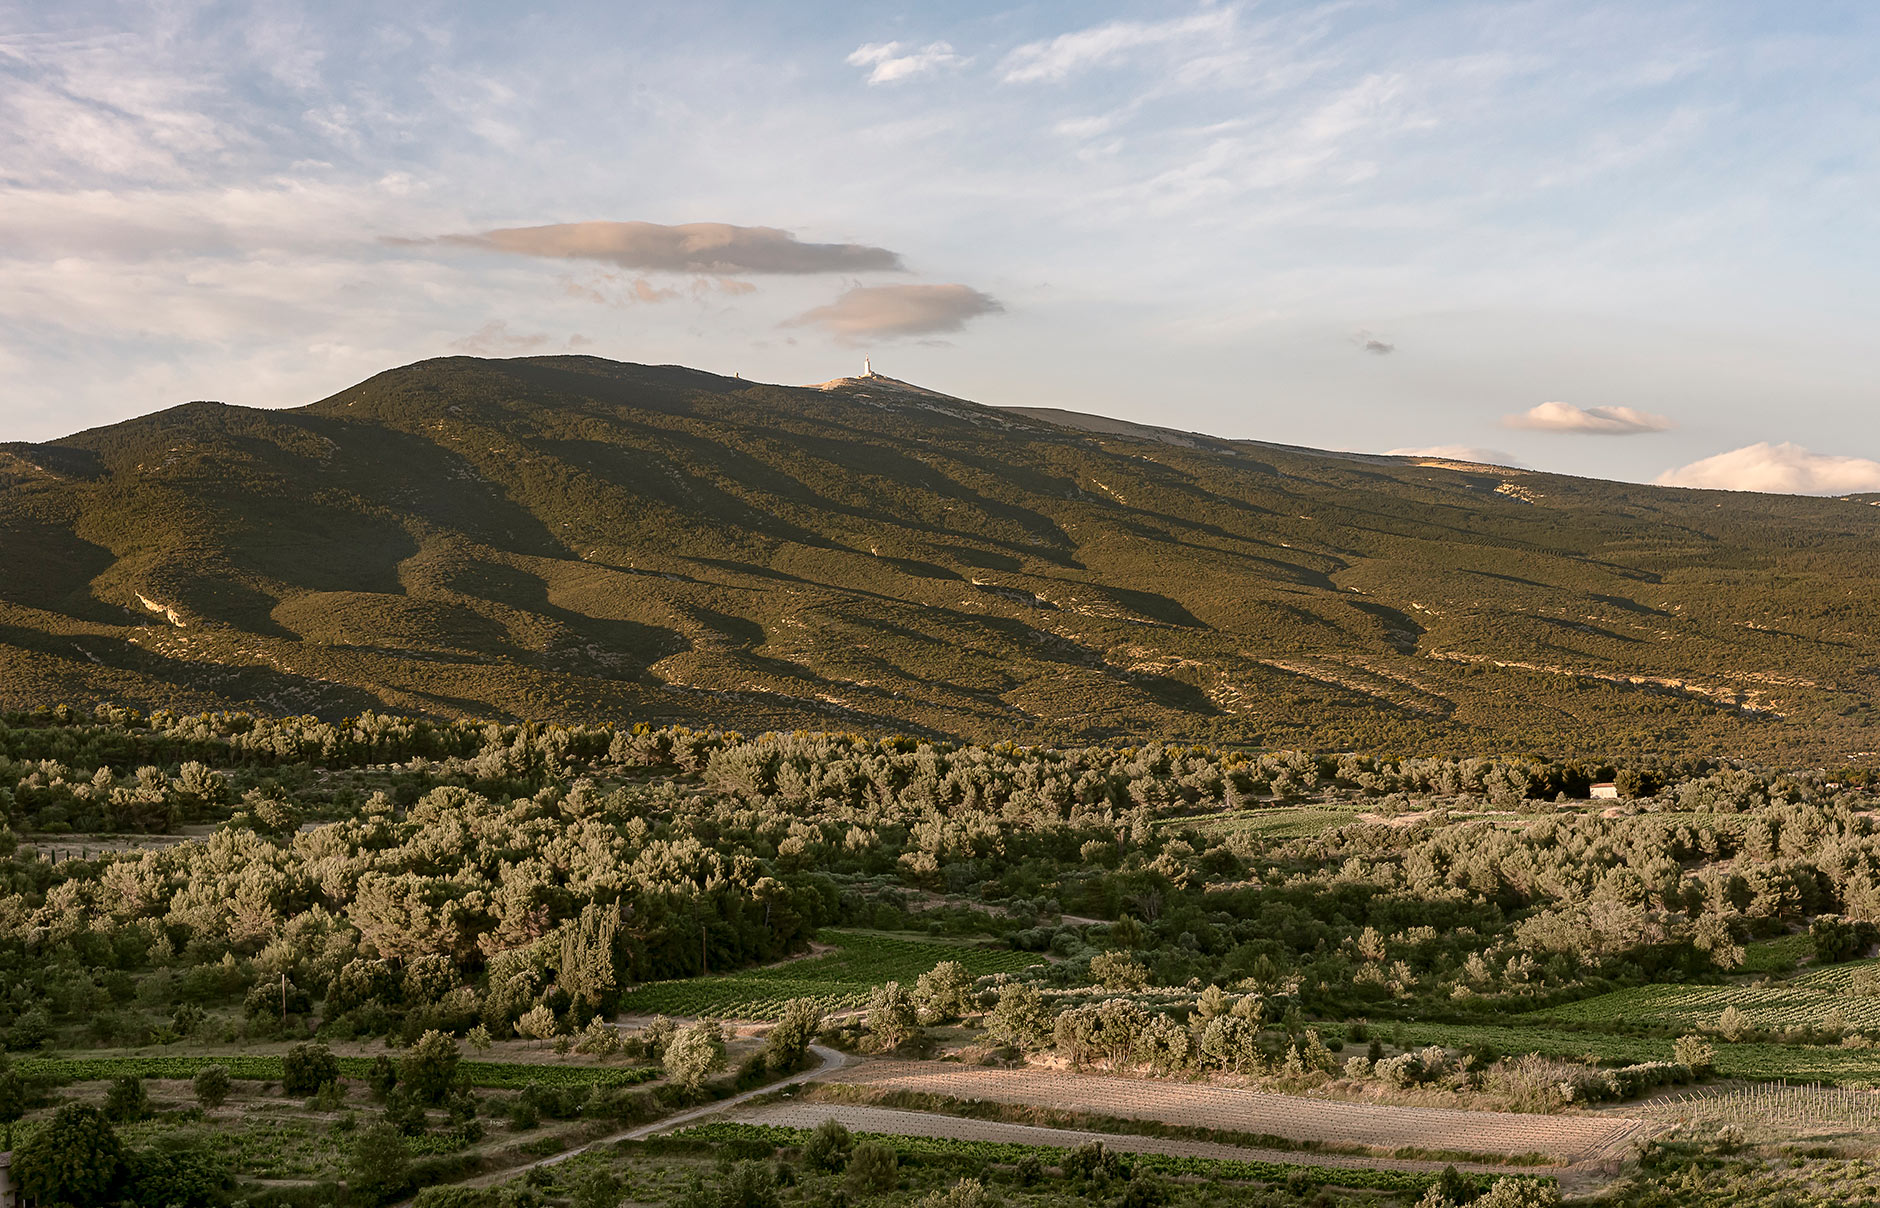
<point>1630,240</point>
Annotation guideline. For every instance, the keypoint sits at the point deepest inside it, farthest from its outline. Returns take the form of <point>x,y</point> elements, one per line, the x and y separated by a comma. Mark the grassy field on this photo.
<point>1777,957</point>
<point>836,980</point>
<point>1275,822</point>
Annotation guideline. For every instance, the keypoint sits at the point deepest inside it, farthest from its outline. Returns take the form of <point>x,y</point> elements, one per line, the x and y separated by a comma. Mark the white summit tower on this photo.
<point>868,367</point>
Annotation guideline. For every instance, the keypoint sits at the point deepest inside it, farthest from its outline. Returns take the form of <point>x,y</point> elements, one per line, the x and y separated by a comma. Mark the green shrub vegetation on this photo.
<point>563,538</point>
<point>434,901</point>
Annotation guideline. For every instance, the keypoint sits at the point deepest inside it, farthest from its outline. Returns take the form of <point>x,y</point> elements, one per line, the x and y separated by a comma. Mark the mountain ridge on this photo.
<point>570,536</point>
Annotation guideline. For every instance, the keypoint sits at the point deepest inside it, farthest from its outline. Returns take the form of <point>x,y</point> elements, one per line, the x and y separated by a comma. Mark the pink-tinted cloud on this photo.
<point>890,311</point>
<point>693,247</point>
<point>1601,421</point>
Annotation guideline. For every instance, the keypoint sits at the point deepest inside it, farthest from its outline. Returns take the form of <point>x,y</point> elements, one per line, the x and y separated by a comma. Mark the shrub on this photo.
<point>1400,1071</point>
<point>749,1185</point>
<point>943,992</point>
<point>1116,971</point>
<point>211,1085</point>
<point>828,1147</point>
<point>967,1193</point>
<point>873,1167</point>
<point>693,1053</point>
<point>382,1077</point>
<point>456,1197</point>
<point>1838,939</point>
<point>431,1066</point>
<point>788,1042</point>
<point>891,1020</point>
<point>74,1159</point>
<point>1518,1193</point>
<point>179,1172</point>
<point>307,1068</point>
<point>1733,1024</point>
<point>1020,1019</point>
<point>127,1100</point>
<point>1696,1053</point>
<point>381,1166</point>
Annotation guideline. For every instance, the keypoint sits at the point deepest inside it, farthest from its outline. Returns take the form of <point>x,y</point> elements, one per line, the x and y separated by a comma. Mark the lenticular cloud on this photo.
<point>692,247</point>
<point>1600,421</point>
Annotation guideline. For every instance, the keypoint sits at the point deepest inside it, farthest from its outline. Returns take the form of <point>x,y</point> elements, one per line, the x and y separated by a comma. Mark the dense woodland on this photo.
<point>415,883</point>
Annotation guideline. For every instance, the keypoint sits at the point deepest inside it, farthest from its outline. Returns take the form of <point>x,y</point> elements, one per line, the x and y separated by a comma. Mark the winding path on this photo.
<point>829,1061</point>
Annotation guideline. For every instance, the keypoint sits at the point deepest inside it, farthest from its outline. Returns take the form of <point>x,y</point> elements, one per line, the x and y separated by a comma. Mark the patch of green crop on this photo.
<point>835,981</point>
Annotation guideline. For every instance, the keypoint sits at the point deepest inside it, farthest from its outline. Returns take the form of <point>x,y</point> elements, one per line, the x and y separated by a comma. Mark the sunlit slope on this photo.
<point>571,537</point>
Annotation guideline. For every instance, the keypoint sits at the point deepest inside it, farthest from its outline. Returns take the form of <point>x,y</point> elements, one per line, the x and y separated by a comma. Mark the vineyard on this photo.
<point>1762,1062</point>
<point>498,1075</point>
<point>1804,1002</point>
<point>1008,1154</point>
<point>835,981</point>
<point>1773,1101</point>
<point>1835,977</point>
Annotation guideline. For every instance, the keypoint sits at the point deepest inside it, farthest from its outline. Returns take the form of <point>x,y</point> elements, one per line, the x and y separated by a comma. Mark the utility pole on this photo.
<point>283,1002</point>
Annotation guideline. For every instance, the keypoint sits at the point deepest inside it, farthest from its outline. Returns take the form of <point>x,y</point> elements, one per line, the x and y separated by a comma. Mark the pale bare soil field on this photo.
<point>927,1124</point>
<point>1572,1139</point>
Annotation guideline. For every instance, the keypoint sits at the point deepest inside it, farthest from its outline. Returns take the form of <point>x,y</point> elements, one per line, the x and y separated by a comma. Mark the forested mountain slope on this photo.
<point>575,538</point>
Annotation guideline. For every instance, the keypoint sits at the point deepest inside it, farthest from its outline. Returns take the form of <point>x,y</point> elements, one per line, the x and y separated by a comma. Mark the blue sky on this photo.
<point>1626,240</point>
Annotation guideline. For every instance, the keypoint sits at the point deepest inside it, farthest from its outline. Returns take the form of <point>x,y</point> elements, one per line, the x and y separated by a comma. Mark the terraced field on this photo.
<point>1378,1126</point>
<point>837,980</point>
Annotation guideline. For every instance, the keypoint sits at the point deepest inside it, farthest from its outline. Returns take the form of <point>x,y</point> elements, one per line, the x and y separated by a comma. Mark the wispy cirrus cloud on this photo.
<point>1781,469</point>
<point>693,247</point>
<point>1598,421</point>
<point>892,61</point>
<point>1052,60</point>
<point>893,311</point>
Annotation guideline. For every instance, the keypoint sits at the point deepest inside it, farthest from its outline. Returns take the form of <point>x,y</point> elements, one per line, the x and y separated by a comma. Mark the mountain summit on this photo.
<point>568,537</point>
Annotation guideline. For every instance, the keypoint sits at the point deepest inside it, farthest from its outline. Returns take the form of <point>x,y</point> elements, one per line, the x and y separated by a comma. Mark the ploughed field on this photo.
<point>1379,1126</point>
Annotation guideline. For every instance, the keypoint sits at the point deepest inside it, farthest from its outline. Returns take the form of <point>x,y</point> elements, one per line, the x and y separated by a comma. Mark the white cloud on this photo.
<point>1604,421</point>
<point>1055,59</point>
<point>891,63</point>
<point>1782,469</point>
<point>1472,453</point>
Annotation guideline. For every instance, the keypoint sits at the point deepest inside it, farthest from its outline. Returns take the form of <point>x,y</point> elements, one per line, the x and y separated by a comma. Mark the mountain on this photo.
<point>570,537</point>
